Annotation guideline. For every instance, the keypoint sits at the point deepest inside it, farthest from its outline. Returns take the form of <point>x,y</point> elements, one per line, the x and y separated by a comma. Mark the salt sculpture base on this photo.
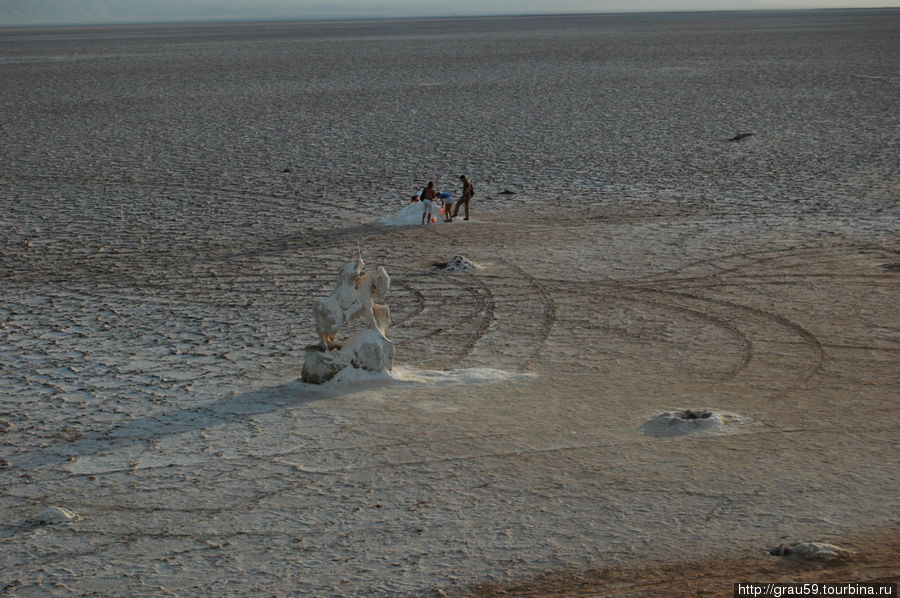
<point>368,350</point>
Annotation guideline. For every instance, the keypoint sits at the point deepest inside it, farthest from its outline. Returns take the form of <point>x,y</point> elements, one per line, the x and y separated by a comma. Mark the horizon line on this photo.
<point>234,21</point>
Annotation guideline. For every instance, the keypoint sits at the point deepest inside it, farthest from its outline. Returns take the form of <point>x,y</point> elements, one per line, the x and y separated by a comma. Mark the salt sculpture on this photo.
<point>354,296</point>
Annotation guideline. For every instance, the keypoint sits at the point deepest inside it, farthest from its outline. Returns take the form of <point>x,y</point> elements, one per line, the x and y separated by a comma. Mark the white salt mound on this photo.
<point>54,516</point>
<point>460,264</point>
<point>411,214</point>
<point>677,422</point>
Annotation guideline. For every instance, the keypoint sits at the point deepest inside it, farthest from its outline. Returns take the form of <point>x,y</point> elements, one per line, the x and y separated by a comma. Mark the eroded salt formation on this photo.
<point>353,297</point>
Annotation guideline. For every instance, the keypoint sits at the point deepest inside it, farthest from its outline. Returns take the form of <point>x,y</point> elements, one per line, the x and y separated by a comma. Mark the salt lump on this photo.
<point>353,297</point>
<point>460,264</point>
<point>54,516</point>
<point>813,551</point>
<point>678,422</point>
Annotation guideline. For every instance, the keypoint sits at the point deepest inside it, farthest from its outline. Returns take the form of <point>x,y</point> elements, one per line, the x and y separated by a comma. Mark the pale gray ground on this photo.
<point>174,199</point>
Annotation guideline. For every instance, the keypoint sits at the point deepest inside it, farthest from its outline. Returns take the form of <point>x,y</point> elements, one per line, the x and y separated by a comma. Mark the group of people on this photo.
<point>429,197</point>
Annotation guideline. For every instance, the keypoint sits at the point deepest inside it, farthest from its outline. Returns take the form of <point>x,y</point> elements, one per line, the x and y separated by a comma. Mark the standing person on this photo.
<point>428,195</point>
<point>447,203</point>
<point>467,191</point>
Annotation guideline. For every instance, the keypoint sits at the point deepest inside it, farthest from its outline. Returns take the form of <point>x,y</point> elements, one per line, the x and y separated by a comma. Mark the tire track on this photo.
<point>419,306</point>
<point>673,276</point>
<point>751,328</point>
<point>444,322</point>
<point>747,353</point>
<point>548,316</point>
<point>809,339</point>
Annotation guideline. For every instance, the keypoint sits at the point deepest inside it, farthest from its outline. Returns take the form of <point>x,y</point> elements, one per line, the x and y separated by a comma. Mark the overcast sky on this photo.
<point>39,12</point>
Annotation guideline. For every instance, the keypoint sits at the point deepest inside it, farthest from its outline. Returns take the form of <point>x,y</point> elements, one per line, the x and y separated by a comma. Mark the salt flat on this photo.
<point>174,199</point>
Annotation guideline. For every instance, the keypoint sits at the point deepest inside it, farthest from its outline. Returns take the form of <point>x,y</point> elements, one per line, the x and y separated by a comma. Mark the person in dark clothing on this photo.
<point>467,191</point>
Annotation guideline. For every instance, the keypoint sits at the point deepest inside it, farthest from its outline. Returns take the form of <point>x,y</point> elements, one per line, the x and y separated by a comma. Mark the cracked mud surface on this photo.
<point>163,237</point>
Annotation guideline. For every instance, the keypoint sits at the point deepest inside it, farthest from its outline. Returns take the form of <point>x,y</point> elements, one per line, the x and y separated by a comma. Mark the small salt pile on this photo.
<point>460,264</point>
<point>813,551</point>
<point>54,516</point>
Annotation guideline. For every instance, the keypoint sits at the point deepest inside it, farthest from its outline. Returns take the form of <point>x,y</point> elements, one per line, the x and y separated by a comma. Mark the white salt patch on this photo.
<point>411,214</point>
<point>358,379</point>
<point>358,376</point>
<point>457,377</point>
